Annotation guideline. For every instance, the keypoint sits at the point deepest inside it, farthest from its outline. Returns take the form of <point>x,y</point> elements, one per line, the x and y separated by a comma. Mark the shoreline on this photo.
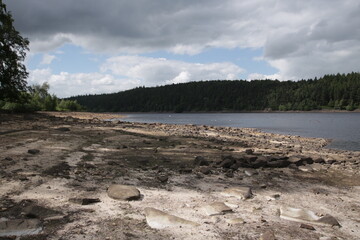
<point>58,169</point>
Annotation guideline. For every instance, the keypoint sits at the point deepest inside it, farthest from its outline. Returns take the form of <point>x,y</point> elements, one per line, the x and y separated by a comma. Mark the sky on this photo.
<point>91,46</point>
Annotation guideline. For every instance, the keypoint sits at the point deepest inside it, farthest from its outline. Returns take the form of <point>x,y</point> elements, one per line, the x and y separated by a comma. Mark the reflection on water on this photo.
<point>343,128</point>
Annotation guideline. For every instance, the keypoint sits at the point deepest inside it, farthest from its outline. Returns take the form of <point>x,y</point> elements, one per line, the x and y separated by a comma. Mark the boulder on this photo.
<point>158,219</point>
<point>278,164</point>
<point>123,192</point>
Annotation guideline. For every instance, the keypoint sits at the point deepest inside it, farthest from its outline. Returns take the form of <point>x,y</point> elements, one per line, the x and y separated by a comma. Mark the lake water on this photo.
<point>342,128</point>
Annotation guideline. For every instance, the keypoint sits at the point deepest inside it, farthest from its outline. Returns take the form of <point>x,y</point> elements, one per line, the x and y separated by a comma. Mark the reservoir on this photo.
<point>342,128</point>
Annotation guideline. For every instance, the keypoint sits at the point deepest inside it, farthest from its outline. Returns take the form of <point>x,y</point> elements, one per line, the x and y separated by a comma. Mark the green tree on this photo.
<point>13,49</point>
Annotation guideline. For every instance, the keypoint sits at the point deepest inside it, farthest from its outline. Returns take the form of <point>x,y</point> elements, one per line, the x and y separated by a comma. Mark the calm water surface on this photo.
<point>342,128</point>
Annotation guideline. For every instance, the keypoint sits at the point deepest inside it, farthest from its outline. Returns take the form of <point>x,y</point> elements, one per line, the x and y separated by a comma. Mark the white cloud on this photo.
<point>158,71</point>
<point>47,59</point>
<point>126,72</point>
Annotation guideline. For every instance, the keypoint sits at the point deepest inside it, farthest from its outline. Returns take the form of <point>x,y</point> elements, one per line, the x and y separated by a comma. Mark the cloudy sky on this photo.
<point>92,46</point>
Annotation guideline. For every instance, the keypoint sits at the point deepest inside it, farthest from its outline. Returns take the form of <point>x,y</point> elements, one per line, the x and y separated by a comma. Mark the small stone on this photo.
<point>250,172</point>
<point>33,151</point>
<point>239,192</point>
<point>307,226</point>
<point>267,235</point>
<point>200,161</point>
<point>163,178</point>
<point>123,192</point>
<point>62,129</point>
<point>216,208</point>
<point>84,201</point>
<point>234,221</point>
<point>205,170</point>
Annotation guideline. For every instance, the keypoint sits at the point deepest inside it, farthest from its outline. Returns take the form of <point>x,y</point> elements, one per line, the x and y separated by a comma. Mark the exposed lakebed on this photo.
<point>342,128</point>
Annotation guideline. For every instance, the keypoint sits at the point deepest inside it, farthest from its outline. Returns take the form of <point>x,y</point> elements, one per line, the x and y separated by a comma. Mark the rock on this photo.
<point>20,227</point>
<point>306,216</point>
<point>62,129</point>
<point>268,235</point>
<point>307,226</point>
<point>163,178</point>
<point>234,221</point>
<point>319,160</point>
<point>33,151</point>
<point>200,161</point>
<point>329,220</point>
<point>305,168</point>
<point>185,171</point>
<point>205,170</point>
<point>227,163</point>
<point>216,208</point>
<point>250,172</point>
<point>239,192</point>
<point>84,201</point>
<point>249,151</point>
<point>229,174</point>
<point>278,164</point>
<point>123,192</point>
<point>39,212</point>
<point>159,220</point>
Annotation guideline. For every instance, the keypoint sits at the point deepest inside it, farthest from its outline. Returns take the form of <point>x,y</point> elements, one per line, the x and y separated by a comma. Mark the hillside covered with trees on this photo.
<point>340,91</point>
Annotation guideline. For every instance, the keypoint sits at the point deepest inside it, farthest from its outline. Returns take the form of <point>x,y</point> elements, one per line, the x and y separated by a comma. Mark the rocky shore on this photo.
<point>76,176</point>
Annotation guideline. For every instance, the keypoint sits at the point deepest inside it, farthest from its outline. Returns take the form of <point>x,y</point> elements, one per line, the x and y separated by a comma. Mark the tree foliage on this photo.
<point>13,49</point>
<point>37,98</point>
<point>340,91</point>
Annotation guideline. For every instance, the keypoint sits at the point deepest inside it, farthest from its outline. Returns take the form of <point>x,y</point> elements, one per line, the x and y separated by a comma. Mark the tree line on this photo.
<point>337,91</point>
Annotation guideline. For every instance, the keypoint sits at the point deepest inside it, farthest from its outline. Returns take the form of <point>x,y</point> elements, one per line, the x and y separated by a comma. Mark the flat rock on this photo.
<point>123,192</point>
<point>159,219</point>
<point>239,192</point>
<point>84,201</point>
<point>234,221</point>
<point>20,227</point>
<point>306,216</point>
<point>216,208</point>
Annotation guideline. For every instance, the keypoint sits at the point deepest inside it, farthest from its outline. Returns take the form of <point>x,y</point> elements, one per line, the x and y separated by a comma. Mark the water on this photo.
<point>342,128</point>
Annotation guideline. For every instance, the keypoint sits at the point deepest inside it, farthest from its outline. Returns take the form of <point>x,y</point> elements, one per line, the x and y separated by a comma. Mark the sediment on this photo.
<point>200,182</point>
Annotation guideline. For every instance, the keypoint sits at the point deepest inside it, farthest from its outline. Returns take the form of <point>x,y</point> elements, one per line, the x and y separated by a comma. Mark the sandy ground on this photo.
<point>80,156</point>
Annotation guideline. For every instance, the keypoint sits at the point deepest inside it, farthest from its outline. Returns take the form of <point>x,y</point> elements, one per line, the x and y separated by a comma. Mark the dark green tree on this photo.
<point>13,49</point>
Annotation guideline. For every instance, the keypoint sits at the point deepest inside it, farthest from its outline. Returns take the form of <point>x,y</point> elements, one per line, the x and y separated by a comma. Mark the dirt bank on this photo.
<point>56,169</point>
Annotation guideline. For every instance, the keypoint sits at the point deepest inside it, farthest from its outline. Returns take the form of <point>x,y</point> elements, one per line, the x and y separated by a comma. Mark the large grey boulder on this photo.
<point>158,219</point>
<point>123,192</point>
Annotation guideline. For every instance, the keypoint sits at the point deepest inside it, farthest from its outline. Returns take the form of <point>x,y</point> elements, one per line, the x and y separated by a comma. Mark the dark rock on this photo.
<point>249,151</point>
<point>319,160</point>
<point>260,162</point>
<point>200,161</point>
<point>278,164</point>
<point>250,158</point>
<point>33,151</point>
<point>84,201</point>
<point>163,178</point>
<point>227,163</point>
<point>205,170</point>
<point>62,129</point>
<point>307,226</point>
<point>229,174</point>
<point>185,170</point>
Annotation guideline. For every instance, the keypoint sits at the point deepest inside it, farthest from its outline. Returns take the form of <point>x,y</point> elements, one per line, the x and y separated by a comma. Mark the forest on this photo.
<point>337,91</point>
